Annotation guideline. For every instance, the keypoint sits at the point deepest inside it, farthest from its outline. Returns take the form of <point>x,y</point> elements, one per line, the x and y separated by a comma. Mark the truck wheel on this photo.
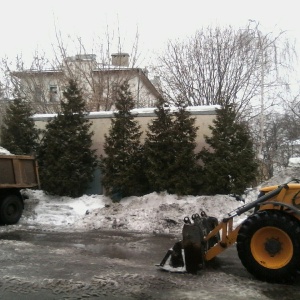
<point>11,209</point>
<point>268,246</point>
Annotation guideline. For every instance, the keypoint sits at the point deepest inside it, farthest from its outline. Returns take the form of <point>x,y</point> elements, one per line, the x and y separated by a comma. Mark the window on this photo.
<point>38,94</point>
<point>53,91</point>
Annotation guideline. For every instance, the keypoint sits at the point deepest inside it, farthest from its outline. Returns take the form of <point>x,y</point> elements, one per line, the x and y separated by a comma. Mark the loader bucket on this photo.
<point>174,260</point>
<point>187,255</point>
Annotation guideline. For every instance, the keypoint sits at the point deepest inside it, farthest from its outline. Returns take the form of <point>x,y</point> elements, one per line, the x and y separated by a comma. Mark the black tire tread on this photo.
<point>9,220</point>
<point>277,219</point>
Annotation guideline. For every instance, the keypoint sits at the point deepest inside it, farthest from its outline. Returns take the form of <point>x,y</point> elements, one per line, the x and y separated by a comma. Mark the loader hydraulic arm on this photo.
<point>225,227</point>
<point>228,237</point>
<point>261,199</point>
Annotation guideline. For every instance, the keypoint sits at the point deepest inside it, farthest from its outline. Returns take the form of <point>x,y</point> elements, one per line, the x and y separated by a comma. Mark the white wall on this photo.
<point>101,122</point>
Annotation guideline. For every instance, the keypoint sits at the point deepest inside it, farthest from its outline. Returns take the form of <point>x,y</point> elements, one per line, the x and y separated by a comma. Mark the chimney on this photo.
<point>120,59</point>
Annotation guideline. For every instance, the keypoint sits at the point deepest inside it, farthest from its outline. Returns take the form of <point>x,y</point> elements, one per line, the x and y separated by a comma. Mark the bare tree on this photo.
<point>281,138</point>
<point>221,66</point>
<point>43,81</point>
<point>33,83</point>
<point>99,78</point>
<point>292,103</point>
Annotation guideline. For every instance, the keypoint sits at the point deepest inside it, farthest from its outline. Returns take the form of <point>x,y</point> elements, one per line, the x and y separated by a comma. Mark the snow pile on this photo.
<point>155,213</point>
<point>46,210</point>
<point>3,151</point>
<point>152,213</point>
<point>158,213</point>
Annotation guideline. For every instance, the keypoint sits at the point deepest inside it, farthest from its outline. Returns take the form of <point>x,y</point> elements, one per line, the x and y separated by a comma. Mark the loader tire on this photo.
<point>11,209</point>
<point>268,246</point>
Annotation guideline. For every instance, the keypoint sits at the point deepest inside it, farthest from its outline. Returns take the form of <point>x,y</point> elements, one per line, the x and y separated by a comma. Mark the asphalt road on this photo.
<point>37,264</point>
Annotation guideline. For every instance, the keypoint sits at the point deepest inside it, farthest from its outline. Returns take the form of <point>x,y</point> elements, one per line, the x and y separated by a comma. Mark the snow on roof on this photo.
<point>148,111</point>
<point>102,68</point>
<point>192,109</point>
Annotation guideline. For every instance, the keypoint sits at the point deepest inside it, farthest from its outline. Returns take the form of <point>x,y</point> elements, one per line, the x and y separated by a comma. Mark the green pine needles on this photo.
<point>229,166</point>
<point>166,161</point>
<point>18,132</point>
<point>122,166</point>
<point>170,151</point>
<point>66,159</point>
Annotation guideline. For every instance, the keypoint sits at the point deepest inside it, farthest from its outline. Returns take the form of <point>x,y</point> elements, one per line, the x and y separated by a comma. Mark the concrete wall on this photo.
<point>101,122</point>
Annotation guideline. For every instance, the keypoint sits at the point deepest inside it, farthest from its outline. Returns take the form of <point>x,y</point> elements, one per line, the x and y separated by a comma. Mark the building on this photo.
<point>101,122</point>
<point>44,87</point>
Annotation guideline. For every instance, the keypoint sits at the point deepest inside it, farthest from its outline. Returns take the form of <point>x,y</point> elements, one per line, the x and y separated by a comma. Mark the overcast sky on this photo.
<point>29,25</point>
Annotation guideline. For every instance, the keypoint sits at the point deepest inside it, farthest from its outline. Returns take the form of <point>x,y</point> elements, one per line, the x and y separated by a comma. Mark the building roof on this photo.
<point>34,72</point>
<point>103,69</point>
<point>137,71</point>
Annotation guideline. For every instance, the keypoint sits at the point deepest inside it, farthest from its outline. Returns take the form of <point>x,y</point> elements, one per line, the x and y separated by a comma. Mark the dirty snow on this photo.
<point>3,151</point>
<point>157,213</point>
<point>153,213</point>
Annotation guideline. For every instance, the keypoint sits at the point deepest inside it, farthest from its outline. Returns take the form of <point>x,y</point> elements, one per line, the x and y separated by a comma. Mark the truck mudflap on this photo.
<point>188,254</point>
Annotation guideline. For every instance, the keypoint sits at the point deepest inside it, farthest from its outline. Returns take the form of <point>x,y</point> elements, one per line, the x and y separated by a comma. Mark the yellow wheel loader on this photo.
<point>268,241</point>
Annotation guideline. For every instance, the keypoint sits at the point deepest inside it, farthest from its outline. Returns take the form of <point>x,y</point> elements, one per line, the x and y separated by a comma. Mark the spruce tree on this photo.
<point>122,166</point>
<point>169,148</point>
<point>229,166</point>
<point>18,132</point>
<point>185,176</point>
<point>66,159</point>
<point>159,149</point>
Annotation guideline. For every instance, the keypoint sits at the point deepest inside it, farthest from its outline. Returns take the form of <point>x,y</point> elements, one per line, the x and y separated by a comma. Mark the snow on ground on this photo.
<point>152,213</point>
<point>3,151</point>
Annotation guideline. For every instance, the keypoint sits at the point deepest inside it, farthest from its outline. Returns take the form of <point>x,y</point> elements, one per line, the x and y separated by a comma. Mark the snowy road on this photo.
<point>39,264</point>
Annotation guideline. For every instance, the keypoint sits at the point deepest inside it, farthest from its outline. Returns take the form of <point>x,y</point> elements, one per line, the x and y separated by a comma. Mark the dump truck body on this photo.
<point>16,172</point>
